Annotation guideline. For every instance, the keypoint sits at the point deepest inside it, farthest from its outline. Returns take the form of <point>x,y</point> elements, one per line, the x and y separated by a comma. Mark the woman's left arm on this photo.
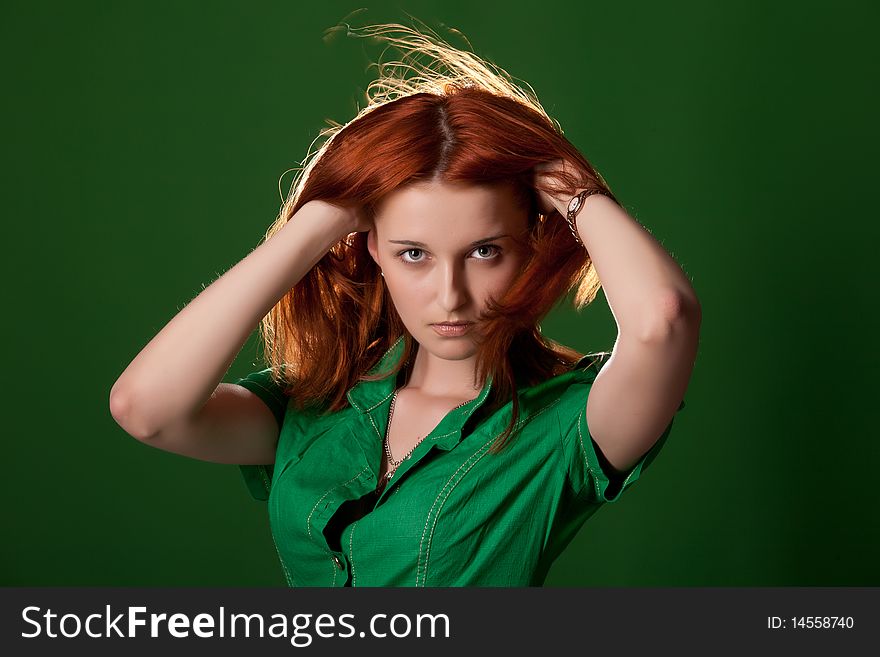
<point>658,316</point>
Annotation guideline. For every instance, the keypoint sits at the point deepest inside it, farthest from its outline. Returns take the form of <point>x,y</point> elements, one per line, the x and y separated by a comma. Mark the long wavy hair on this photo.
<point>454,118</point>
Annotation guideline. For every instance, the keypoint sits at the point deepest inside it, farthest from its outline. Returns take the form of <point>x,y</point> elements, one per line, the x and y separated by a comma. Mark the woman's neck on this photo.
<point>438,377</point>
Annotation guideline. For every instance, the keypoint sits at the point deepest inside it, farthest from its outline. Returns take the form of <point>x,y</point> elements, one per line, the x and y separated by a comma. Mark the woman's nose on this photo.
<point>453,291</point>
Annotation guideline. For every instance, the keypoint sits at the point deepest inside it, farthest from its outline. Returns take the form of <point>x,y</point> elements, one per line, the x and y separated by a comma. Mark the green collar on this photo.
<point>366,395</point>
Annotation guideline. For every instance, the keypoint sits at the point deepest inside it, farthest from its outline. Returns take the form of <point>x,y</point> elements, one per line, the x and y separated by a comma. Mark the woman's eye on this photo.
<point>487,251</point>
<point>409,253</point>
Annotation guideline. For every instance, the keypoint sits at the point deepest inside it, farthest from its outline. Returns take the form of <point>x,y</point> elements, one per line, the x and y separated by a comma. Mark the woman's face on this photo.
<point>445,250</point>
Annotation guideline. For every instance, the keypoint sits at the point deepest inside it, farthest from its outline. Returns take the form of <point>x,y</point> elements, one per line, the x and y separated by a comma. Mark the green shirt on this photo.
<point>452,514</point>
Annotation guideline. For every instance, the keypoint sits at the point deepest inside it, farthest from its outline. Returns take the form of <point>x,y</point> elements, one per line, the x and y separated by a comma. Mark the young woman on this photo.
<point>413,426</point>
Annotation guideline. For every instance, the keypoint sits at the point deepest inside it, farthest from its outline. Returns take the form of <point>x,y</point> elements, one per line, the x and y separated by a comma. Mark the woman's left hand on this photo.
<point>546,203</point>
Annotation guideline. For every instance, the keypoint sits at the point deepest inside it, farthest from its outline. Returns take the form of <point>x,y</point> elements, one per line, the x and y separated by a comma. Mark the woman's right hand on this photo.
<point>352,218</point>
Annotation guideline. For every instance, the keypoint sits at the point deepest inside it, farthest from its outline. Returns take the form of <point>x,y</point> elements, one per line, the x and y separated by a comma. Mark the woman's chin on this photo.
<point>449,348</point>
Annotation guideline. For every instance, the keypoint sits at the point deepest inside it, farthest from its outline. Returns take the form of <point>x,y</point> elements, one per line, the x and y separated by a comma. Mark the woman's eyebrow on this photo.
<point>424,246</point>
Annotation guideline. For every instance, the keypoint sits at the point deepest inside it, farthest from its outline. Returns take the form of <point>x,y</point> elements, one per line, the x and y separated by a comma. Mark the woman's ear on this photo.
<point>372,244</point>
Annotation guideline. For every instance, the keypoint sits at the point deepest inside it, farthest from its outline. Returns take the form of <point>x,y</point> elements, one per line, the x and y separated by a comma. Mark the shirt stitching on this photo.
<point>351,554</point>
<point>379,403</point>
<point>275,396</point>
<point>592,472</point>
<point>475,458</point>
<point>287,575</point>
<point>381,360</point>
<point>581,415</point>
<point>567,477</point>
<point>373,422</point>
<point>283,566</point>
<point>309,519</point>
<point>587,461</point>
<point>266,482</point>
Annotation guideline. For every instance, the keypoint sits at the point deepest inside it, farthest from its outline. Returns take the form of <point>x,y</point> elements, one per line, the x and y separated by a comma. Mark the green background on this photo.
<point>143,144</point>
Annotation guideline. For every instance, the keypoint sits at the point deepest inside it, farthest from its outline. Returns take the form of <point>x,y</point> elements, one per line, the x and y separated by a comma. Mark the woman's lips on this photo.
<point>451,330</point>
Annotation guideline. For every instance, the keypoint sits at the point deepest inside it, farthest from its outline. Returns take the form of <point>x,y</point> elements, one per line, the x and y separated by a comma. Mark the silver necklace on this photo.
<point>395,463</point>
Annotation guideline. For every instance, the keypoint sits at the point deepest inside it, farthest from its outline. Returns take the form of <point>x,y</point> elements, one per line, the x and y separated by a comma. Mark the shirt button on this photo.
<point>338,562</point>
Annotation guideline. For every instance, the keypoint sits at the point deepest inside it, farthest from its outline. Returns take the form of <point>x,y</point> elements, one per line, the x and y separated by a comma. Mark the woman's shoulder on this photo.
<point>588,366</point>
<point>563,387</point>
<point>584,370</point>
<point>275,387</point>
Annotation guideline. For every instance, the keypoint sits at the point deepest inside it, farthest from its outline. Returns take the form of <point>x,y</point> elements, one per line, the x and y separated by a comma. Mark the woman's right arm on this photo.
<point>171,396</point>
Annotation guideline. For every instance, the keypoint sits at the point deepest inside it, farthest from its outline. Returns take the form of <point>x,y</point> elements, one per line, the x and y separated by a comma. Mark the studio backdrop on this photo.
<point>145,151</point>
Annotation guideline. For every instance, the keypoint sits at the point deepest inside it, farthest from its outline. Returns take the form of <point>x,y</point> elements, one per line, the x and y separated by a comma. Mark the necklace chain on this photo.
<point>387,444</point>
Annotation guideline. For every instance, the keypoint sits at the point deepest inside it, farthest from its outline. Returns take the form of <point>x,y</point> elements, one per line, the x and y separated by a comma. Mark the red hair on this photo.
<point>461,120</point>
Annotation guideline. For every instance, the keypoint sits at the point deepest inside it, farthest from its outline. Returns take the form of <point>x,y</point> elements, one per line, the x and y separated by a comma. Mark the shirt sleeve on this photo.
<point>588,470</point>
<point>258,478</point>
